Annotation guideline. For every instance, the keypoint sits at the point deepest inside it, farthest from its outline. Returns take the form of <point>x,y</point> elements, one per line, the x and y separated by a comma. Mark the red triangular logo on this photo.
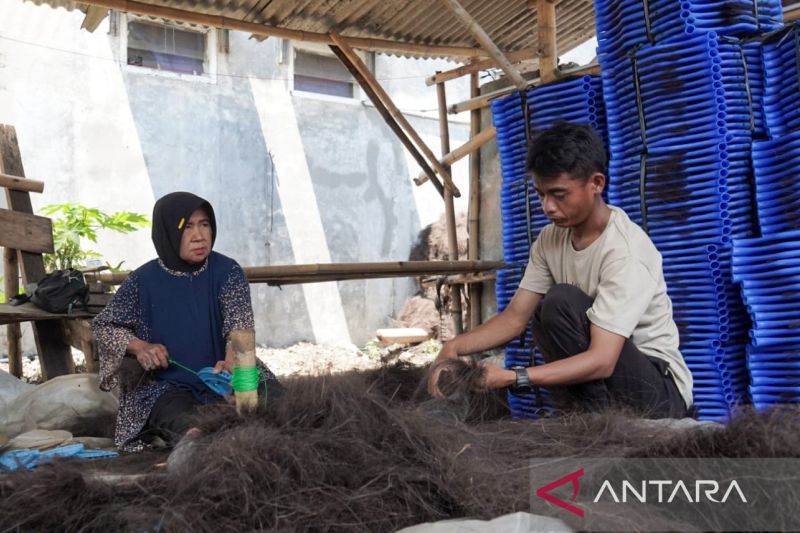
<point>544,492</point>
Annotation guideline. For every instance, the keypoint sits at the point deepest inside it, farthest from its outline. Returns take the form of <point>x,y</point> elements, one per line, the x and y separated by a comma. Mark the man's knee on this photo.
<point>560,299</point>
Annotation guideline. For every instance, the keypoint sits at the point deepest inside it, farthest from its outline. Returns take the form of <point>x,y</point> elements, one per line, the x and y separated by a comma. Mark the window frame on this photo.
<point>209,74</point>
<point>323,50</point>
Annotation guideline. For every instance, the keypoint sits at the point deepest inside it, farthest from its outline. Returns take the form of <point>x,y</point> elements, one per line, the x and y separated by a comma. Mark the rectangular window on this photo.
<point>167,48</point>
<point>322,74</point>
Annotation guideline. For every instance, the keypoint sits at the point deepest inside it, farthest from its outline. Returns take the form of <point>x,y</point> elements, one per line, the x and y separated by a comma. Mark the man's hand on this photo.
<point>495,377</point>
<point>448,351</point>
<point>149,356</point>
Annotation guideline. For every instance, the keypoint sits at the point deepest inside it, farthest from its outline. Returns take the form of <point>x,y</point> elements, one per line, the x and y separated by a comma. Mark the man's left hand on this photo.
<point>495,377</point>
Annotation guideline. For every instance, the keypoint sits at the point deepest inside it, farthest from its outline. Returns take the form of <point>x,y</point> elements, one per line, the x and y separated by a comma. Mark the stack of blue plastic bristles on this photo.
<point>574,100</point>
<point>768,266</point>
<point>683,97</point>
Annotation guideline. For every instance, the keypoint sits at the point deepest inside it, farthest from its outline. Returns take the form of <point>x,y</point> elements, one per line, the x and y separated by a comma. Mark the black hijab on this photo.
<point>170,215</point>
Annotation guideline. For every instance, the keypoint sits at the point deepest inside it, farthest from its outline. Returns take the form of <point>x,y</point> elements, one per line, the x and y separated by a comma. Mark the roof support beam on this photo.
<point>486,42</point>
<point>389,119</point>
<point>476,65</point>
<point>379,97</point>
<point>548,49</point>
<point>216,21</point>
<point>468,148</point>
<point>94,16</point>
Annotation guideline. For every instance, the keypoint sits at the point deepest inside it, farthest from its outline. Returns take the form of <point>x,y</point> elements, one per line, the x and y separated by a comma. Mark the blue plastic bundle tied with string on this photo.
<point>768,269</point>
<point>622,25</point>
<point>781,53</point>
<point>572,100</point>
<point>777,168</point>
<point>682,117</point>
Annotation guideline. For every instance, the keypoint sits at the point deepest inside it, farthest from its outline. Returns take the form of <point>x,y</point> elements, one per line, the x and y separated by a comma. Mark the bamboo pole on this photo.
<point>450,211</point>
<point>13,331</point>
<point>476,65</point>
<point>474,210</point>
<point>486,42</point>
<point>468,148</point>
<point>311,272</point>
<point>481,101</point>
<point>242,342</point>
<point>370,81</point>
<point>16,183</point>
<point>548,49</point>
<point>217,21</point>
<point>427,171</point>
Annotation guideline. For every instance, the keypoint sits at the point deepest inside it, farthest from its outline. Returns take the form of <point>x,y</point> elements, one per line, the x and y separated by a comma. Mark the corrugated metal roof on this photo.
<point>510,23</point>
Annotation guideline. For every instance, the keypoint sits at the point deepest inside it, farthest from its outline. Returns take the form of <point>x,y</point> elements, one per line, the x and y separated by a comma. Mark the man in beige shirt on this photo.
<point>595,290</point>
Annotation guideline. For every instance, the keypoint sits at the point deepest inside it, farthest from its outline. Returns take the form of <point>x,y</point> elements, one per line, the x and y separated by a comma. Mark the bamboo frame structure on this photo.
<point>367,80</point>
<point>476,141</point>
<point>548,50</point>
<point>319,272</point>
<point>486,43</point>
<point>449,210</point>
<point>474,207</point>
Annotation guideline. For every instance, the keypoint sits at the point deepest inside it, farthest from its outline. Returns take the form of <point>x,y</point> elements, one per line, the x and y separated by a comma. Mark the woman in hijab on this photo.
<point>170,318</point>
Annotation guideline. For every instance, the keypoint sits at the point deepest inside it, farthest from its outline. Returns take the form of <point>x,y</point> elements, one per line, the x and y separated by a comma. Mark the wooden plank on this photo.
<point>22,231</point>
<point>486,42</point>
<point>402,335</point>
<point>20,184</point>
<point>13,331</point>
<point>216,21</point>
<point>27,312</point>
<point>389,119</point>
<point>370,80</point>
<point>54,352</point>
<point>548,52</point>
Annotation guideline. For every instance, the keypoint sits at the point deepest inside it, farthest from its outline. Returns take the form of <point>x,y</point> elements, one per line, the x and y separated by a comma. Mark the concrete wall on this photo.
<point>293,177</point>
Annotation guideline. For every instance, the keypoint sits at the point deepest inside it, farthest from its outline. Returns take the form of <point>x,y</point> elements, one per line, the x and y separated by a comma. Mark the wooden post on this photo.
<point>548,49</point>
<point>368,79</point>
<point>243,344</point>
<point>55,355</point>
<point>487,44</point>
<point>13,331</point>
<point>450,211</point>
<point>474,210</point>
<point>390,121</point>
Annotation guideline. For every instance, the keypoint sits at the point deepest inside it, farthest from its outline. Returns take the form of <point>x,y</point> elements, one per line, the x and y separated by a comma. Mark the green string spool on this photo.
<point>244,378</point>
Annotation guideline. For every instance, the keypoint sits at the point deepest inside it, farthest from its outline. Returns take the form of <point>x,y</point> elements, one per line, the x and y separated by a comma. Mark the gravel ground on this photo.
<point>304,358</point>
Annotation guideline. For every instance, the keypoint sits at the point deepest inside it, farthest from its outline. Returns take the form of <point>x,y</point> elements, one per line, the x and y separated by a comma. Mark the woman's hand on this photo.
<point>149,356</point>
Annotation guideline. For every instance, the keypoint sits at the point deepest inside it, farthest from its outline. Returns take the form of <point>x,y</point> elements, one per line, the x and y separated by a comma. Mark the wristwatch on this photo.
<point>522,384</point>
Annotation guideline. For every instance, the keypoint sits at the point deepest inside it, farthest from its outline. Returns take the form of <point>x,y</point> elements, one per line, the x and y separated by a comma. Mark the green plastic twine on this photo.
<point>174,362</point>
<point>245,378</point>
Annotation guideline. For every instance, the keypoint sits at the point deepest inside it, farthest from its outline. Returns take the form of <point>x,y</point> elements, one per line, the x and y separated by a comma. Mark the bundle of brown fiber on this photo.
<point>362,451</point>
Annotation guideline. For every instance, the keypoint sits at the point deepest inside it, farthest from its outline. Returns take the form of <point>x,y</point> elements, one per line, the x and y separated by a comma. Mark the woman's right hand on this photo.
<point>149,356</point>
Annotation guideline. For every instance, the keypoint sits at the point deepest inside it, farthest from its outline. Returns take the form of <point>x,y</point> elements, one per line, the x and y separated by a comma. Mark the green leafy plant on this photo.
<point>74,222</point>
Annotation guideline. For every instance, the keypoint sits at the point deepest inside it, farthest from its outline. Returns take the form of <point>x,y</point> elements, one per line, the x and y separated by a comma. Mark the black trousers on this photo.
<point>561,329</point>
<point>171,415</point>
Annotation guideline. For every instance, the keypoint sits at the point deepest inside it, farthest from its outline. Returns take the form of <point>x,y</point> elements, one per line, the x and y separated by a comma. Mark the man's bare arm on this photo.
<point>597,362</point>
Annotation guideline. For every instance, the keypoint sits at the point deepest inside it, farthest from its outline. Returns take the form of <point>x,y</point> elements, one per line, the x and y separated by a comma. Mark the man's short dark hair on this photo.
<point>566,147</point>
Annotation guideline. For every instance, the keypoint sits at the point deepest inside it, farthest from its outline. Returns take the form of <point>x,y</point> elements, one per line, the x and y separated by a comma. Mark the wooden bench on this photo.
<point>24,237</point>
